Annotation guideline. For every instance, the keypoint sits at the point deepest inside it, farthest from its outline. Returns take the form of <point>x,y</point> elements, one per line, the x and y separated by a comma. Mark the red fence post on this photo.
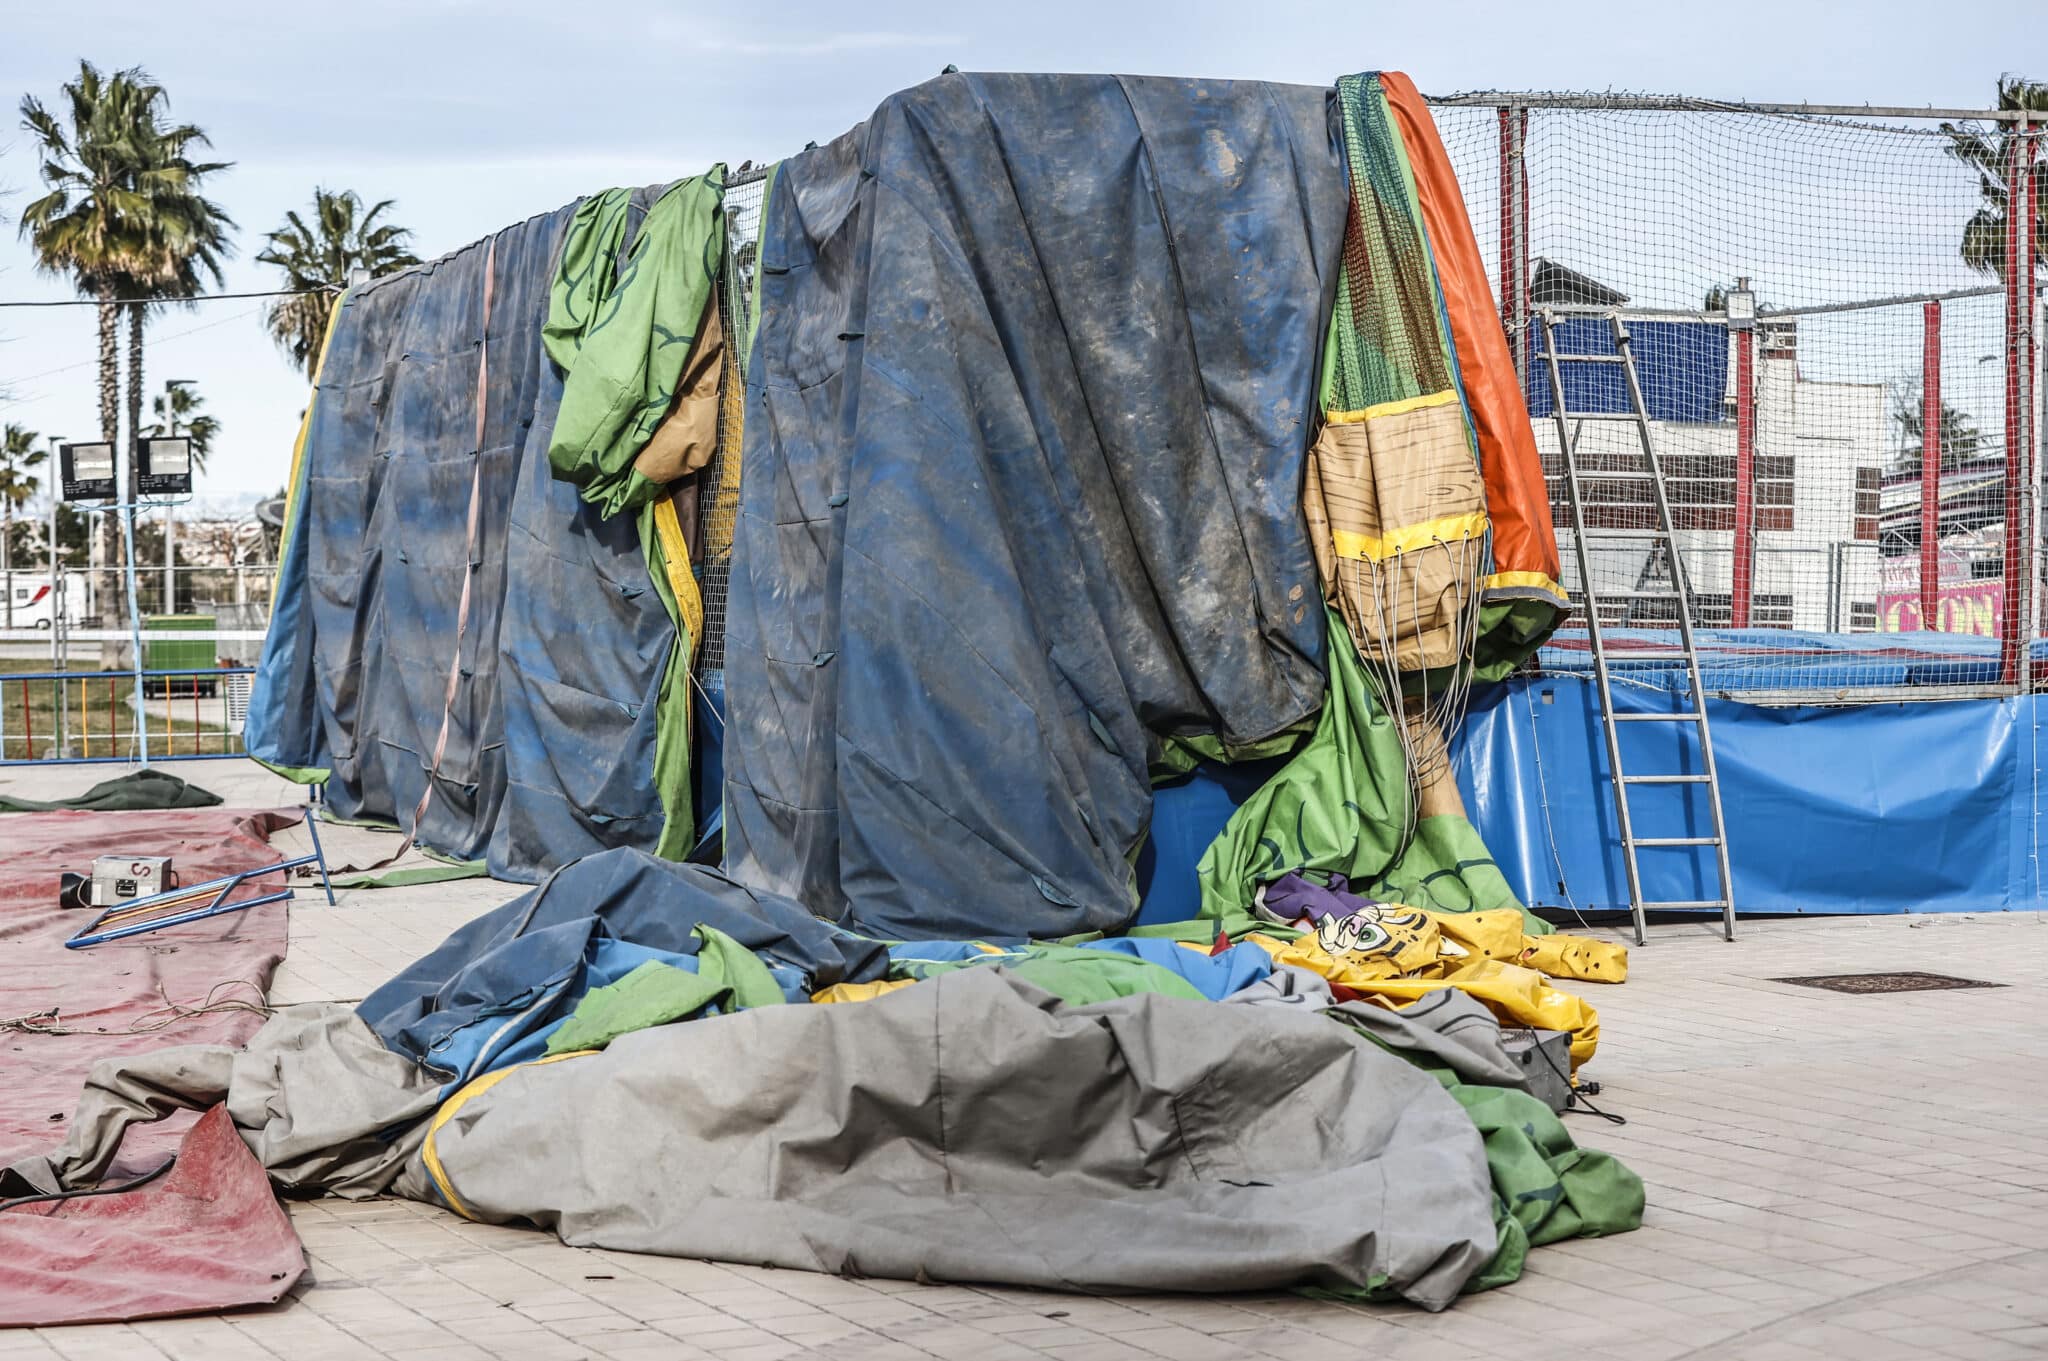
<point>1743,573</point>
<point>1930,467</point>
<point>2019,295</point>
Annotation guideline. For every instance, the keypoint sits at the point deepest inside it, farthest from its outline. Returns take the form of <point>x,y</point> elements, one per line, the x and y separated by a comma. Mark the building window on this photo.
<point>1615,491</point>
<point>1862,616</point>
<point>1868,508</point>
<point>1770,612</point>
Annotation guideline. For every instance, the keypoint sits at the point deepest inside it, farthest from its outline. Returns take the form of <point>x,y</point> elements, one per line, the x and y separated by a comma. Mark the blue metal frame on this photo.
<point>97,931</point>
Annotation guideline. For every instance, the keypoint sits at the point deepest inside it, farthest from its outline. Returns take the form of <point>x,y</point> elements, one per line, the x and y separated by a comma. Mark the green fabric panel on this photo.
<point>1073,975</point>
<point>416,874</point>
<point>621,335</point>
<point>1545,1182</point>
<point>296,774</point>
<point>671,709</point>
<point>1340,804</point>
<point>1387,340</point>
<point>1510,631</point>
<point>1545,1187</point>
<point>1202,930</point>
<point>729,977</point>
<point>1179,755</point>
<point>1447,868</point>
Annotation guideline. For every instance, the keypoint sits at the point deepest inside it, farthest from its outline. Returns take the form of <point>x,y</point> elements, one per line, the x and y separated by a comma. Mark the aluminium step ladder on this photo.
<point>1663,539</point>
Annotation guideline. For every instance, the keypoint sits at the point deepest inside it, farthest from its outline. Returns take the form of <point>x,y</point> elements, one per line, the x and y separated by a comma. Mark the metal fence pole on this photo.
<point>2019,278</point>
<point>1514,235</point>
<point>1742,575</point>
<point>1930,466</point>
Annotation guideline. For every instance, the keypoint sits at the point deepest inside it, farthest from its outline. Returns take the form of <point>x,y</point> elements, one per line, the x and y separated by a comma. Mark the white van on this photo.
<point>34,600</point>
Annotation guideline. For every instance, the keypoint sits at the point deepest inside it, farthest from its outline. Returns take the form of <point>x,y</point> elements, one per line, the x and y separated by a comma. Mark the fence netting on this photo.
<point>1851,474</point>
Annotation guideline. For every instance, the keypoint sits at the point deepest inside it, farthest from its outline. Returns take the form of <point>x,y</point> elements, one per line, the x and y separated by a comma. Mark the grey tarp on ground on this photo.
<point>549,751</point>
<point>1021,487</point>
<point>315,1094</point>
<point>972,1128</point>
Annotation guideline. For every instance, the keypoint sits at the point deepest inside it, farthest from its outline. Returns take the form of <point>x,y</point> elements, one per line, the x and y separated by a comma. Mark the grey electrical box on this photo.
<point>1545,1058</point>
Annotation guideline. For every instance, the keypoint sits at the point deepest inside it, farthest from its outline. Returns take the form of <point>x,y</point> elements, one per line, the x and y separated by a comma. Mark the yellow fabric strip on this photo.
<point>859,992</point>
<point>432,1158</point>
<point>675,553</point>
<point>1530,581</point>
<point>1373,413</point>
<point>1408,538</point>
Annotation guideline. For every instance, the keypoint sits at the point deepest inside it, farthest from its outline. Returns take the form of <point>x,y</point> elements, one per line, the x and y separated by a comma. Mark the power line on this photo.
<point>154,340</point>
<point>200,297</point>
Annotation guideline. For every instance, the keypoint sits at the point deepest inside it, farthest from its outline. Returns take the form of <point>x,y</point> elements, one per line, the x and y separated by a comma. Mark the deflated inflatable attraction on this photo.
<point>980,606</point>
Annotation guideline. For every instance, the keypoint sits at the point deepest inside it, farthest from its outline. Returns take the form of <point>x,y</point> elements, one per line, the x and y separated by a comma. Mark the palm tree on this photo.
<point>1993,158</point>
<point>18,454</point>
<point>87,225</point>
<point>122,217</point>
<point>178,411</point>
<point>186,238</point>
<point>318,262</point>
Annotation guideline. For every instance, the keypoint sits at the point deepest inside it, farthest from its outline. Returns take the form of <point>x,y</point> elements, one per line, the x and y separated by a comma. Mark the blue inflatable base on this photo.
<point>1876,808</point>
<point>1866,809</point>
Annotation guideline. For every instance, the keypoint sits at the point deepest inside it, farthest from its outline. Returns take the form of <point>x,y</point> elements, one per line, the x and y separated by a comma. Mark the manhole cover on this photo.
<point>1886,982</point>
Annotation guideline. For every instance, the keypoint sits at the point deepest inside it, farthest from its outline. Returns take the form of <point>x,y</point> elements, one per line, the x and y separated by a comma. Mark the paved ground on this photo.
<point>1830,1176</point>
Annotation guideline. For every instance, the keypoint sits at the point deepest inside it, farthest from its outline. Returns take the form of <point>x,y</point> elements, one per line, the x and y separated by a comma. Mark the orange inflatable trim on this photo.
<point>1524,544</point>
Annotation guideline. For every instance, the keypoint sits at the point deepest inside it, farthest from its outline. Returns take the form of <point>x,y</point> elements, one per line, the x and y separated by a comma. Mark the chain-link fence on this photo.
<point>1833,316</point>
<point>718,498</point>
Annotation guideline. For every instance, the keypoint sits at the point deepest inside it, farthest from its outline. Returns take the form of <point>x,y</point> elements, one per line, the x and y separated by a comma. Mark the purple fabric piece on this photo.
<point>1291,897</point>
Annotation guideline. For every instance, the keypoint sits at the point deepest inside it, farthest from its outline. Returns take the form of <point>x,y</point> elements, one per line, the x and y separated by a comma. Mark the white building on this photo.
<point>1820,451</point>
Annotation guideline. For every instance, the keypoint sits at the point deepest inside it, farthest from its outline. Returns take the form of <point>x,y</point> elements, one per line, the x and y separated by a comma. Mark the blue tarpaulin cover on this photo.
<point>550,733</point>
<point>503,980</point>
<point>1876,808</point>
<point>1024,438</point>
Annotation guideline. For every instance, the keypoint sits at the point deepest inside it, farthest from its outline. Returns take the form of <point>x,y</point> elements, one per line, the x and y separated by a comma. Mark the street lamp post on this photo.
<point>171,385</point>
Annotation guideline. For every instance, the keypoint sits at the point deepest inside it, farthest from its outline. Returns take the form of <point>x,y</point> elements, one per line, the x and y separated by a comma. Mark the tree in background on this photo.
<point>185,236</point>
<point>1961,440</point>
<point>87,225</point>
<point>123,217</point>
<point>318,261</point>
<point>18,455</point>
<point>180,410</point>
<point>1983,243</point>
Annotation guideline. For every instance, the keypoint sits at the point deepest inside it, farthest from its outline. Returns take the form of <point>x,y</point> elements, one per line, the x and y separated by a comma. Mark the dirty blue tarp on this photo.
<point>489,993</point>
<point>1878,808</point>
<point>1025,426</point>
<point>550,737</point>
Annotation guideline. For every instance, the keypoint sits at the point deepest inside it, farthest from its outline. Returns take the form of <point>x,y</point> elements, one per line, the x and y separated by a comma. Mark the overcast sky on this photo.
<point>474,115</point>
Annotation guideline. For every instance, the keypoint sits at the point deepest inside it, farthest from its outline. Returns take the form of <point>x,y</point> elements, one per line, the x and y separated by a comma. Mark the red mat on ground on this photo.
<point>206,1235</point>
<point>117,998</point>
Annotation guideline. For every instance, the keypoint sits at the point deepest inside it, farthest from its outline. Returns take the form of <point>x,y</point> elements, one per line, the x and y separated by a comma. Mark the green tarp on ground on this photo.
<point>145,789</point>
